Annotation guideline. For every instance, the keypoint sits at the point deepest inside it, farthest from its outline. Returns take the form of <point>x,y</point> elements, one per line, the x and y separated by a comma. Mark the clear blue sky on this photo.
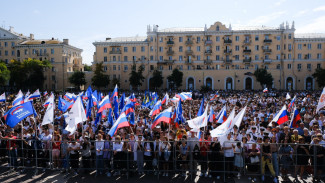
<point>85,21</point>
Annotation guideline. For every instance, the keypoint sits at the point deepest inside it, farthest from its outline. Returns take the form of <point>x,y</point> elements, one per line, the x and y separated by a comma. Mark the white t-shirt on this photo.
<point>74,147</point>
<point>117,147</point>
<point>228,152</point>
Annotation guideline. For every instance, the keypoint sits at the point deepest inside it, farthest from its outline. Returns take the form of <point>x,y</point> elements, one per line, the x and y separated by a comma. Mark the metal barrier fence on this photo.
<point>160,159</point>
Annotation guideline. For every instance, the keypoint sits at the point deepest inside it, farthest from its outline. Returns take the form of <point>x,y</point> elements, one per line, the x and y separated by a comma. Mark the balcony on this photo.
<point>246,42</point>
<point>247,60</point>
<point>227,51</point>
<point>267,61</point>
<point>228,61</point>
<point>247,51</point>
<point>208,52</point>
<point>188,61</point>
<point>115,52</point>
<point>227,41</point>
<point>189,42</point>
<point>208,42</point>
<point>266,50</point>
<point>208,61</point>
<point>170,52</point>
<point>169,61</point>
<point>42,54</point>
<point>170,43</point>
<point>189,52</point>
<point>267,41</point>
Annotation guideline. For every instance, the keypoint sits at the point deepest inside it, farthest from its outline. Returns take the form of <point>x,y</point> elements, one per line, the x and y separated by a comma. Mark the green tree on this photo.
<point>136,78</point>
<point>176,77</point>
<point>4,74</point>
<point>87,67</point>
<point>100,79</point>
<point>264,77</point>
<point>78,79</point>
<point>320,75</point>
<point>157,79</point>
<point>115,82</point>
<point>28,73</point>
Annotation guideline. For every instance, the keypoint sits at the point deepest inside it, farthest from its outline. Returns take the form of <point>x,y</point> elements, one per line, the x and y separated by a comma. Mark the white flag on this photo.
<point>223,129</point>
<point>239,117</point>
<point>200,121</point>
<point>49,115</point>
<point>321,102</point>
<point>288,96</point>
<point>76,115</point>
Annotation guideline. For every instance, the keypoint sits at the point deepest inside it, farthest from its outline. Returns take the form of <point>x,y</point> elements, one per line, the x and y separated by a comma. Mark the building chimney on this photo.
<point>31,37</point>
<point>66,41</point>
<point>11,29</point>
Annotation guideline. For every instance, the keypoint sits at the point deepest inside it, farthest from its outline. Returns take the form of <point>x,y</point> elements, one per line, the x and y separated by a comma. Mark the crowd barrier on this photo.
<point>19,155</point>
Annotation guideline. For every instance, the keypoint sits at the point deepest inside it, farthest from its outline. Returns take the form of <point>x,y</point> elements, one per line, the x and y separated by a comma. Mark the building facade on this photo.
<point>219,57</point>
<point>63,57</point>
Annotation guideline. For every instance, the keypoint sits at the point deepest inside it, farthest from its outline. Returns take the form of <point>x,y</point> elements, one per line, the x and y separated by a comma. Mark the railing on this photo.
<point>208,42</point>
<point>247,60</point>
<point>227,51</point>
<point>170,52</point>
<point>174,160</point>
<point>188,42</point>
<point>227,41</point>
<point>247,41</point>
<point>267,50</point>
<point>115,52</point>
<point>189,52</point>
<point>208,61</point>
<point>208,52</point>
<point>247,51</point>
<point>267,61</point>
<point>229,61</point>
<point>267,40</point>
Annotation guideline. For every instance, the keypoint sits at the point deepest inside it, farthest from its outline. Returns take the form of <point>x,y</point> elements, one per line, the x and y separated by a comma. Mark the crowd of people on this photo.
<point>169,149</point>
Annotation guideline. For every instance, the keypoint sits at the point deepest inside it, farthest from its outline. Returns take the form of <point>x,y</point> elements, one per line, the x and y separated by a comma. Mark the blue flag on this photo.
<point>18,113</point>
<point>201,110</point>
<point>179,113</point>
<point>89,102</point>
<point>121,102</point>
<point>110,117</point>
<point>64,105</point>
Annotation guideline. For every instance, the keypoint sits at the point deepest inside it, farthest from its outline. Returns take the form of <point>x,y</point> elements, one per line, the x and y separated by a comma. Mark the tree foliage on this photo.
<point>115,82</point>
<point>264,77</point>
<point>28,74</point>
<point>157,79</point>
<point>100,79</point>
<point>87,67</point>
<point>4,74</point>
<point>78,79</point>
<point>320,77</point>
<point>176,77</point>
<point>136,77</point>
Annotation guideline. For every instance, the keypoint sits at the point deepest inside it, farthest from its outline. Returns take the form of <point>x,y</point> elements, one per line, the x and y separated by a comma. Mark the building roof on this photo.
<point>127,39</point>
<point>310,35</point>
<point>182,29</point>
<point>41,41</point>
<point>254,28</point>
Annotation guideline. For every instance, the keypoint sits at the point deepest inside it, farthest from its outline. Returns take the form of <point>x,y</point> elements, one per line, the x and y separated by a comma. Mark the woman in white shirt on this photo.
<point>118,155</point>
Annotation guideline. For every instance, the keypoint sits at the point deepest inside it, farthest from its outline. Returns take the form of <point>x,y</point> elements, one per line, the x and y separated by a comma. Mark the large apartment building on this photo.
<point>218,56</point>
<point>63,57</point>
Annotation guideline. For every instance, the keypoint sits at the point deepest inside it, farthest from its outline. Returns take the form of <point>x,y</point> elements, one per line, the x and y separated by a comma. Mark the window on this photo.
<point>152,67</point>
<point>53,69</point>
<point>217,67</point>
<point>217,28</point>
<point>278,66</point>
<point>319,46</point>
<point>180,39</point>
<point>105,59</point>
<point>236,66</point>
<point>278,38</point>
<point>161,49</point>
<point>289,66</point>
<point>236,57</point>
<point>52,51</point>
<point>143,58</point>
<point>114,67</point>
<point>125,58</point>
<point>114,58</point>
<point>6,44</point>
<point>52,60</point>
<point>180,58</point>
<point>25,51</point>
<point>309,66</point>
<point>198,48</point>
<point>142,49</point>
<point>134,49</point>
<point>289,36</point>
<point>105,50</point>
<point>151,57</point>
<point>237,38</point>
<point>12,53</point>
<point>257,57</point>
<point>198,57</point>
<point>246,66</point>
<point>53,77</point>
<point>161,67</point>
<point>105,68</point>
<point>170,57</point>
<point>125,49</point>
<point>308,56</point>
<point>256,38</point>
<point>289,56</point>
<point>12,44</point>
<point>318,66</point>
<point>217,48</point>
<point>0,52</point>
<point>151,38</point>
<point>299,66</point>
<point>6,52</point>
<point>161,58</point>
<point>319,56</point>
<point>256,47</point>
<point>198,39</point>
<point>299,56</point>
<point>309,46</point>
<point>278,57</point>
<point>181,67</point>
<point>299,46</point>
<point>227,67</point>
<point>180,49</point>
<point>289,47</point>
<point>256,66</point>
<point>278,47</point>
<point>237,48</point>
<point>170,67</point>
<point>134,58</point>
<point>266,67</point>
<point>161,39</point>
<point>217,39</point>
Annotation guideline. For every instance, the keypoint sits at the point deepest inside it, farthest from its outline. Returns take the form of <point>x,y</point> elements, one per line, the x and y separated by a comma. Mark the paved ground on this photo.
<point>55,176</point>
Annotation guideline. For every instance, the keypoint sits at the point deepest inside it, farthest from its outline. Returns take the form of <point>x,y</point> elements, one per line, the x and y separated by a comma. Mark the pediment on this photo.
<point>5,34</point>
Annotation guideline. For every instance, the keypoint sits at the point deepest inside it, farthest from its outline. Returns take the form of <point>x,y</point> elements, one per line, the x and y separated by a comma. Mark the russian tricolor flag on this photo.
<point>69,96</point>
<point>156,109</point>
<point>35,95</point>
<point>215,97</point>
<point>212,116</point>
<point>222,116</point>
<point>104,104</point>
<point>95,102</point>
<point>281,117</point>
<point>265,90</point>
<point>121,122</point>
<point>44,93</point>
<point>296,117</point>
<point>50,100</point>
<point>165,99</point>
<point>184,96</point>
<point>165,116</point>
<point>19,99</point>
<point>3,97</point>
<point>128,108</point>
<point>291,103</point>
